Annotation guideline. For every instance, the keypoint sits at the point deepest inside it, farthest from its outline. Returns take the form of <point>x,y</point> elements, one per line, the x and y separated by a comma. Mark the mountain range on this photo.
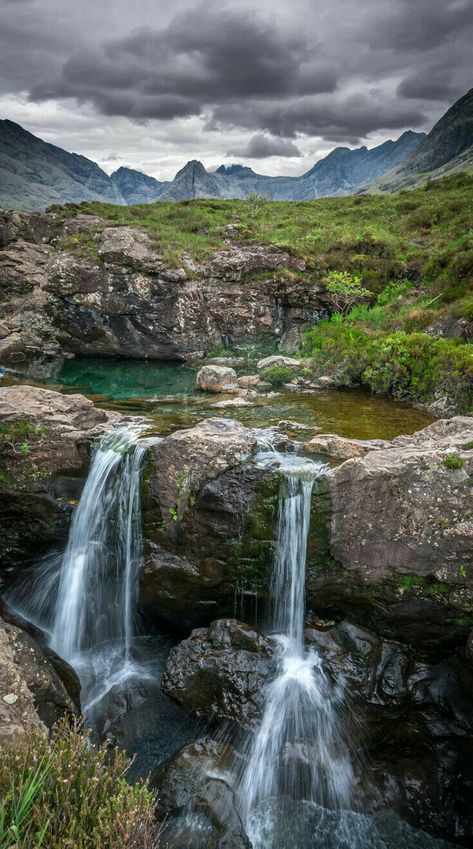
<point>35,174</point>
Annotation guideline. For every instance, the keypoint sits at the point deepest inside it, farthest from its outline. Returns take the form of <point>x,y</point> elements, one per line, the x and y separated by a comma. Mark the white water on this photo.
<point>298,753</point>
<point>99,571</point>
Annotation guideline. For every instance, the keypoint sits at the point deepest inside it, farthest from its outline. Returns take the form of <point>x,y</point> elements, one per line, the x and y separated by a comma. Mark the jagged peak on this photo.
<point>193,167</point>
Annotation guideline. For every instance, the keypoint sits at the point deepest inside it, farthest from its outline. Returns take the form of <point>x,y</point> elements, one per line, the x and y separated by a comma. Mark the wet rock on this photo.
<point>341,448</point>
<point>221,671</point>
<point>216,379</point>
<point>17,708</point>
<point>278,360</point>
<point>196,799</point>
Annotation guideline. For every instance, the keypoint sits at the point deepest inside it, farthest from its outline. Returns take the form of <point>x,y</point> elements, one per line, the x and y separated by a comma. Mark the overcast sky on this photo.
<point>272,83</point>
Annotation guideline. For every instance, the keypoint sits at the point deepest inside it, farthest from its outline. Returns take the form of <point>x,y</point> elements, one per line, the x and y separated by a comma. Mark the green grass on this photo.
<point>453,462</point>
<point>62,792</point>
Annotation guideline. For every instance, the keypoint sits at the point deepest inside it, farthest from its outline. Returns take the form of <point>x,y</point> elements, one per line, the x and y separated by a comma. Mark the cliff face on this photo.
<point>119,298</point>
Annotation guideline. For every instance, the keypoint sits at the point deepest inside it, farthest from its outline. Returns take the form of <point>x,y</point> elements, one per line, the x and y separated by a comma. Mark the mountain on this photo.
<point>447,148</point>
<point>34,174</point>
<point>136,187</point>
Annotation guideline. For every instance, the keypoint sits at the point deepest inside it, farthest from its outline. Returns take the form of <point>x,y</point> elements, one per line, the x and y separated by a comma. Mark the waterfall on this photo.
<point>99,571</point>
<point>298,755</point>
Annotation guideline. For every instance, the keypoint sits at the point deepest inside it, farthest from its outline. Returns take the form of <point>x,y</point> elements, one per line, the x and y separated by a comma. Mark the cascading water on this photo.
<point>298,754</point>
<point>97,589</point>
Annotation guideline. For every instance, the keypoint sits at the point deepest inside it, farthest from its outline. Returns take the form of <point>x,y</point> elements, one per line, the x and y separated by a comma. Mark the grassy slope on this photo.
<point>413,250</point>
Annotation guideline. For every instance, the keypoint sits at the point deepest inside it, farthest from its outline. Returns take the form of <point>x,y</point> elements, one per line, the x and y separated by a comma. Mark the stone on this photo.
<point>196,799</point>
<point>18,714</point>
<point>248,381</point>
<point>232,402</point>
<point>342,448</point>
<point>221,672</point>
<point>278,360</point>
<point>216,379</point>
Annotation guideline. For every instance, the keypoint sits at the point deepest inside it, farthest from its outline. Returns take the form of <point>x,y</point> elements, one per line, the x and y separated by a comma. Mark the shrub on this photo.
<point>62,792</point>
<point>277,375</point>
<point>346,290</point>
<point>453,462</point>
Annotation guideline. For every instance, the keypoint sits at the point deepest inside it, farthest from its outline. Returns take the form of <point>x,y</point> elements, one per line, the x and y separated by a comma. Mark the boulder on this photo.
<point>232,402</point>
<point>216,379</point>
<point>221,672</point>
<point>248,381</point>
<point>278,360</point>
<point>196,799</point>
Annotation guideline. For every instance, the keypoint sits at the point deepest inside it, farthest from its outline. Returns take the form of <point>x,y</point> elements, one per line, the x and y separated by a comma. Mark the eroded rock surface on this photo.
<point>217,379</point>
<point>83,287</point>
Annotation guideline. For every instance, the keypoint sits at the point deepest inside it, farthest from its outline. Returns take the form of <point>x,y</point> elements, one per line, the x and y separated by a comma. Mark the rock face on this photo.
<point>81,287</point>
<point>44,449</point>
<point>277,360</point>
<point>217,379</point>
<point>341,448</point>
<point>221,672</point>
<point>400,535</point>
<point>208,524</point>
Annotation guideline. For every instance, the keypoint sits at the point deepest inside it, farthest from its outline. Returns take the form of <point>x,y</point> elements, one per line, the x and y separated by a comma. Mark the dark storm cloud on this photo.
<point>341,71</point>
<point>201,58</point>
<point>262,146</point>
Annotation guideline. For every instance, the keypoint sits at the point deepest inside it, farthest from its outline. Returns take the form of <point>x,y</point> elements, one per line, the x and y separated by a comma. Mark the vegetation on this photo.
<point>453,462</point>
<point>277,375</point>
<point>62,792</point>
<point>399,269</point>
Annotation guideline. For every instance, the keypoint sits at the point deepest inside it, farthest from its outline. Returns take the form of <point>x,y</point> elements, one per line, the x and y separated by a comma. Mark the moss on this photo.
<point>429,586</point>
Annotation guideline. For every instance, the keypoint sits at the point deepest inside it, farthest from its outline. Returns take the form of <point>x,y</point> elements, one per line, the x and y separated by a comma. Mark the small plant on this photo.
<point>453,462</point>
<point>62,791</point>
<point>24,448</point>
<point>277,375</point>
<point>256,204</point>
<point>346,290</point>
<point>173,513</point>
<point>468,446</point>
<point>462,570</point>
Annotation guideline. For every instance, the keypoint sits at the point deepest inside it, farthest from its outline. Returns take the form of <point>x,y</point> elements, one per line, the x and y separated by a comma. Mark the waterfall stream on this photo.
<point>298,754</point>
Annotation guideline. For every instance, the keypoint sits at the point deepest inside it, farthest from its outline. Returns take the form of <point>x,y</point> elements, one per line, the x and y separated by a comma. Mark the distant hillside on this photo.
<point>446,149</point>
<point>34,174</point>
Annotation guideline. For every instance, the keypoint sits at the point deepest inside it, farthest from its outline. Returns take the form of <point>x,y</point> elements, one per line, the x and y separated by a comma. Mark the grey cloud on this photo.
<point>262,146</point>
<point>421,24</point>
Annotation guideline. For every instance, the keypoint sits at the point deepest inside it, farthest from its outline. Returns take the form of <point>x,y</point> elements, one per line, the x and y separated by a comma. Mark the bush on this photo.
<point>410,367</point>
<point>61,791</point>
<point>346,290</point>
<point>277,375</point>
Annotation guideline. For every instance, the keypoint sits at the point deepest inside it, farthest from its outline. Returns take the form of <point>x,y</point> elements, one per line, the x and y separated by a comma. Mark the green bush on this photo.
<point>453,462</point>
<point>411,367</point>
<point>62,792</point>
<point>277,375</point>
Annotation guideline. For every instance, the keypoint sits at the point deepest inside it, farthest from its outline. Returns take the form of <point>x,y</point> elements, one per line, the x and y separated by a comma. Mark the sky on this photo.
<point>275,84</point>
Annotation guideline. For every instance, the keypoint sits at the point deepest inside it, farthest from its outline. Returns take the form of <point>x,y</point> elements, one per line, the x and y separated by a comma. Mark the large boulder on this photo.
<point>400,532</point>
<point>221,671</point>
<point>209,523</point>
<point>278,360</point>
<point>217,379</point>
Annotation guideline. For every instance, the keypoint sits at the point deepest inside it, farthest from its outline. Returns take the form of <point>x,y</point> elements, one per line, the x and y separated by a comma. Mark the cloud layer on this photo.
<point>255,78</point>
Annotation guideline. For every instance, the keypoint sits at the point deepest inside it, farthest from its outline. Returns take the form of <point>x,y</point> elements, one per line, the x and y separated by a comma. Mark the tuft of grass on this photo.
<point>62,791</point>
<point>453,462</point>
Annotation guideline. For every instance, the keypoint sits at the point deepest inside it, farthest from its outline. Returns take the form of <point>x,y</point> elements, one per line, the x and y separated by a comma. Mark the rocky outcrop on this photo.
<point>221,672</point>
<point>208,524</point>
<point>45,442</point>
<point>342,448</point>
<point>82,287</point>
<point>33,696</point>
<point>400,536</point>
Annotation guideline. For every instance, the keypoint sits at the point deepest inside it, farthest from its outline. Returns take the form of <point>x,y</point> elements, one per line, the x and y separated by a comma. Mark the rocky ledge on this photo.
<point>45,440</point>
<point>82,287</point>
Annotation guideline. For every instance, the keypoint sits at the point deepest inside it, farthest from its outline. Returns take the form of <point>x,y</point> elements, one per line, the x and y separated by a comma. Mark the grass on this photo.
<point>453,462</point>
<point>62,792</point>
<point>410,254</point>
